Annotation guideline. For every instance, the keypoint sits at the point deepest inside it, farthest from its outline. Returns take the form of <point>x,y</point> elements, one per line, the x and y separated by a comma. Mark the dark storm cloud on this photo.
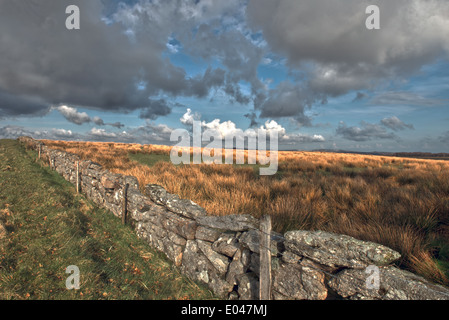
<point>96,66</point>
<point>103,66</point>
<point>290,100</point>
<point>18,105</point>
<point>99,66</point>
<point>329,43</point>
<point>155,108</point>
<point>201,85</point>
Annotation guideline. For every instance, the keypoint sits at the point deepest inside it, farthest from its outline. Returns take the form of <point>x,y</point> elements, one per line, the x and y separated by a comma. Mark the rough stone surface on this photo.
<point>110,181</point>
<point>227,244</point>
<point>248,285</point>
<point>231,222</point>
<point>198,267</point>
<point>251,239</point>
<point>290,257</point>
<point>186,228</point>
<point>394,284</point>
<point>300,282</point>
<point>173,203</point>
<point>220,262</point>
<point>239,265</point>
<point>207,234</point>
<point>338,250</point>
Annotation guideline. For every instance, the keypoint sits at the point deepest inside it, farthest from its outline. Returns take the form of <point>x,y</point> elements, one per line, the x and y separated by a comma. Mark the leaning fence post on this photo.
<point>125,200</point>
<point>265,258</point>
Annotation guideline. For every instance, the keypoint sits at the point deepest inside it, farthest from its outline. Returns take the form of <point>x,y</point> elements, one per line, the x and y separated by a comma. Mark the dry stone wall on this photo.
<point>223,252</point>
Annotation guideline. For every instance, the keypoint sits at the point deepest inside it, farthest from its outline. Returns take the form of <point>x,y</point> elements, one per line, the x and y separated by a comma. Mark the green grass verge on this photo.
<point>50,227</point>
<point>149,159</point>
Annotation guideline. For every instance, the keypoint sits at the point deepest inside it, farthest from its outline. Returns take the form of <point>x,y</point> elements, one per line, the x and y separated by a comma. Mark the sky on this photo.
<point>311,70</point>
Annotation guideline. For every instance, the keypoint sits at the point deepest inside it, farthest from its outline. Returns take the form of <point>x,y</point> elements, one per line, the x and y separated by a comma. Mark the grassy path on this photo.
<point>49,228</point>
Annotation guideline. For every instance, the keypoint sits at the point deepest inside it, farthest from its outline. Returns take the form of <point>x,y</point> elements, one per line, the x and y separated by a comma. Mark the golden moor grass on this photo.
<point>399,202</point>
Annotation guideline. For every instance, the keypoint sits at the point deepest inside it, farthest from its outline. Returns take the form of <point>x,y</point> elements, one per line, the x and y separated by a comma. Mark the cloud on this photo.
<point>404,98</point>
<point>366,132</point>
<point>253,117</point>
<point>72,115</point>
<point>189,117</point>
<point>394,123</point>
<point>62,133</point>
<point>152,133</point>
<point>444,138</point>
<point>13,132</point>
<point>119,60</point>
<point>360,96</point>
<point>101,65</point>
<point>101,133</point>
<point>327,44</point>
<point>154,109</point>
<point>12,105</point>
<point>98,121</point>
<point>289,100</point>
<point>230,129</point>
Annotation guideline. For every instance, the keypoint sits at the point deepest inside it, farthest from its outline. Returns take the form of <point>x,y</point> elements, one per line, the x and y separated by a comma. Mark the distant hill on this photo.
<point>419,155</point>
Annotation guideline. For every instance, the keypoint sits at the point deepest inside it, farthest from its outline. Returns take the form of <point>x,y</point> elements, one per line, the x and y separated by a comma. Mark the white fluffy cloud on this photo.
<point>229,128</point>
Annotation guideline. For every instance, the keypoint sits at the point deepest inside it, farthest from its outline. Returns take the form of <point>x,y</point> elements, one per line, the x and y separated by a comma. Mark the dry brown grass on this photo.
<point>399,202</point>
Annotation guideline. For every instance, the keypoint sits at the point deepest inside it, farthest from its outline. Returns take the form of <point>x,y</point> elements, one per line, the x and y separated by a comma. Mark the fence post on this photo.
<point>125,200</point>
<point>40,150</point>
<point>77,177</point>
<point>265,258</point>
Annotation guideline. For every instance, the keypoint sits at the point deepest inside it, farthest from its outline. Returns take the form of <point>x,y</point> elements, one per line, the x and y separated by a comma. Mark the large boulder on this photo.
<point>236,223</point>
<point>394,284</point>
<point>172,202</point>
<point>336,250</point>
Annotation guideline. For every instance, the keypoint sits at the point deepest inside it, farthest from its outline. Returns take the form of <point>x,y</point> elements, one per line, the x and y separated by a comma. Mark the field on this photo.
<point>49,227</point>
<point>402,203</point>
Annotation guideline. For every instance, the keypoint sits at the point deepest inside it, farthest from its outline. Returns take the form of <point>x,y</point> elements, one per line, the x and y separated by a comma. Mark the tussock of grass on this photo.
<point>50,228</point>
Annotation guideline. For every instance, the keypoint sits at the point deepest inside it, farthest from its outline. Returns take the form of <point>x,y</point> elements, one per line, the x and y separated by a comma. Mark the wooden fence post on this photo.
<point>77,177</point>
<point>265,258</point>
<point>125,200</point>
<point>40,150</point>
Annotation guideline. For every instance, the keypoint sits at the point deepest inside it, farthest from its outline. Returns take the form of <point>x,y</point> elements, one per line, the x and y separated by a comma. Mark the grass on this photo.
<point>401,203</point>
<point>50,228</point>
<point>149,159</point>
<point>153,158</point>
